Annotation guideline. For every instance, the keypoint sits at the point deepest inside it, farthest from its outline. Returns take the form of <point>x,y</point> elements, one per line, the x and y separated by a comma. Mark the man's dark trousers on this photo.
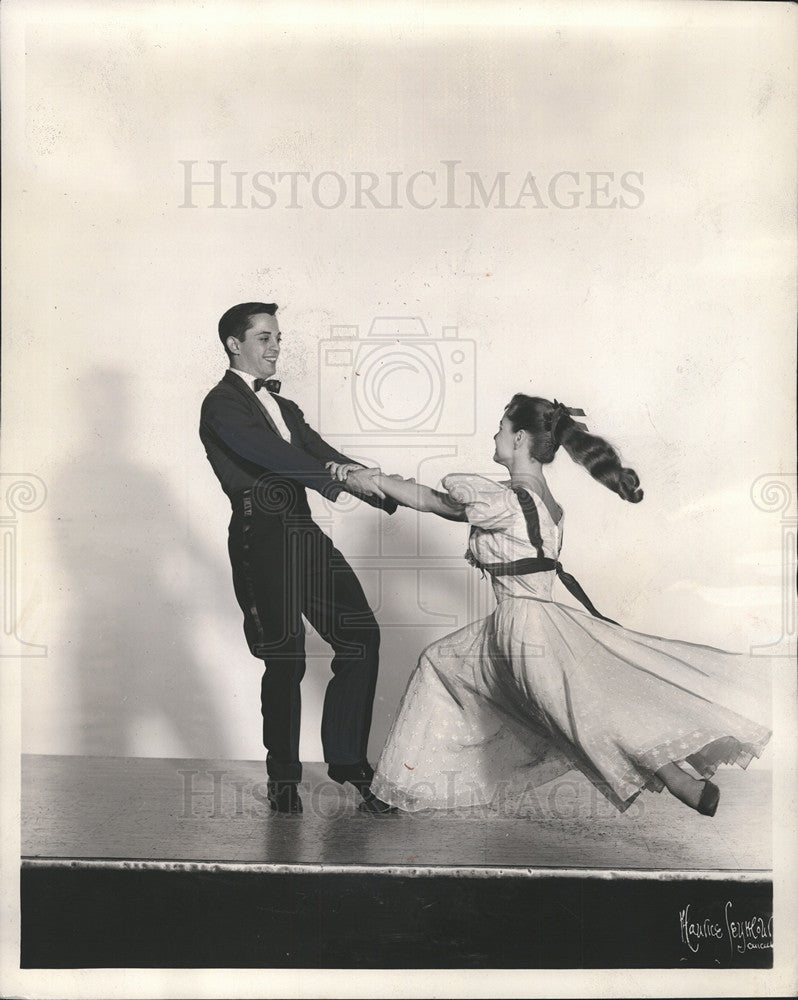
<point>284,567</point>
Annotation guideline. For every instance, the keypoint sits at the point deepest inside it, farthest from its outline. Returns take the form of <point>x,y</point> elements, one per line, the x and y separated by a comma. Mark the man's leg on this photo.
<point>267,575</point>
<point>337,608</point>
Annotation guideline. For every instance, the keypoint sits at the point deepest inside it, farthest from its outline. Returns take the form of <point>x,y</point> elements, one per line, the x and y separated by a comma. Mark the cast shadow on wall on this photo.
<point>132,567</point>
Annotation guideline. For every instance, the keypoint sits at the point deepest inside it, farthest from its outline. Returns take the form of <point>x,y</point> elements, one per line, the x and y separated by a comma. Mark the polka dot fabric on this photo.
<point>539,688</point>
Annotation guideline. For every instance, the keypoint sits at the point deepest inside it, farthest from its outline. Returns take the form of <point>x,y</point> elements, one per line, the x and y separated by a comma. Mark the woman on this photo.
<point>539,688</point>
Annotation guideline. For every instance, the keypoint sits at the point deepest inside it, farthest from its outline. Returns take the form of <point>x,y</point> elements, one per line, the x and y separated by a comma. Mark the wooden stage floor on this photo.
<point>170,811</point>
<point>138,862</point>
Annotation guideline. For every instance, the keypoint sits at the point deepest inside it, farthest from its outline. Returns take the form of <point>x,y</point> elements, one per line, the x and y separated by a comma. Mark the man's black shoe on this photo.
<point>356,774</point>
<point>360,775</point>
<point>374,806</point>
<point>283,797</point>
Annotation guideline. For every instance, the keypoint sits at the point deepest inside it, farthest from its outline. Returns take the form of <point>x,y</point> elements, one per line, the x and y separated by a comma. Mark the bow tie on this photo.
<point>272,384</point>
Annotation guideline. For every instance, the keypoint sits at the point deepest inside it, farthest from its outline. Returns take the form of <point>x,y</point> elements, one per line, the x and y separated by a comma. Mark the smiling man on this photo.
<point>265,456</point>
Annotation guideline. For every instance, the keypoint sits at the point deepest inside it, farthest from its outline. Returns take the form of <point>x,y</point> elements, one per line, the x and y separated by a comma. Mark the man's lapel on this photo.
<point>288,416</point>
<point>241,386</point>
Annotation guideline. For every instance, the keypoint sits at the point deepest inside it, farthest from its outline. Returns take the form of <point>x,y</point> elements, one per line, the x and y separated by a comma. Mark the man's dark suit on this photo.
<point>284,566</point>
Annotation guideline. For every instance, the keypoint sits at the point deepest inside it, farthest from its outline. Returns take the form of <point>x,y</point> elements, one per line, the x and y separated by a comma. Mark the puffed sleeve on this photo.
<point>487,504</point>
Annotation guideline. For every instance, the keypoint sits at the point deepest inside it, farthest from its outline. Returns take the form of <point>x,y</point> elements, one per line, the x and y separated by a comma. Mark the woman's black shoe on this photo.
<point>710,796</point>
<point>283,797</point>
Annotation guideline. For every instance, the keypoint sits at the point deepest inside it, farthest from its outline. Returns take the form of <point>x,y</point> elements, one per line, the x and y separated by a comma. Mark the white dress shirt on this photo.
<point>269,402</point>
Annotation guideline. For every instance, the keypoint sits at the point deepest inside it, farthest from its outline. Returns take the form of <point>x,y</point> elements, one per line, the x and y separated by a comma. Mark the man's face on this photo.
<point>257,353</point>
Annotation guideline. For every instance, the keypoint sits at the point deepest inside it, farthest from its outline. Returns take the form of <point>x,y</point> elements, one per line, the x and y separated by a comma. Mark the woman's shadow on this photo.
<point>133,569</point>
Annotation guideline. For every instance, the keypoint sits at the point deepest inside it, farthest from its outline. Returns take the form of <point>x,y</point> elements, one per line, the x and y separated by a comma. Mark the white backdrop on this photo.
<point>670,321</point>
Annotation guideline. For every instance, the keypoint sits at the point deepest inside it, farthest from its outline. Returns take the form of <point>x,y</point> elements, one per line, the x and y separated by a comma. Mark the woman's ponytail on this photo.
<point>551,425</point>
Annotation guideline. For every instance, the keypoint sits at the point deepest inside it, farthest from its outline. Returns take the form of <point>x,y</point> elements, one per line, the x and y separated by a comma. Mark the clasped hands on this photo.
<point>357,479</point>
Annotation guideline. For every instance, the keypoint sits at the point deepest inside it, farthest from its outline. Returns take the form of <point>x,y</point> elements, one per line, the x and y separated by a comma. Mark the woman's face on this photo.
<point>504,440</point>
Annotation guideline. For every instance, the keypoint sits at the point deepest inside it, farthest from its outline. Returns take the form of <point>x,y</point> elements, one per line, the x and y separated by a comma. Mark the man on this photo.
<point>265,456</point>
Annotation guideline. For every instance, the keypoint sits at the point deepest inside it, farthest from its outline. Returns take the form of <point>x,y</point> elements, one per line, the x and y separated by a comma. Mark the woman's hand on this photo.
<point>365,482</point>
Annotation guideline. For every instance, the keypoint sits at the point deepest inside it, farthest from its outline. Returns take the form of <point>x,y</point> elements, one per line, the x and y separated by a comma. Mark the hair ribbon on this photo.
<point>560,410</point>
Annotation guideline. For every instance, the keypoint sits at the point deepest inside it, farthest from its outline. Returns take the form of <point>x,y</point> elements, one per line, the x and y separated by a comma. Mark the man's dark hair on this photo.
<point>235,321</point>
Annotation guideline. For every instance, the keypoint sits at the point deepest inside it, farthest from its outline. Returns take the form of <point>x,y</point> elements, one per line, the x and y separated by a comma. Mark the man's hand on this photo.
<point>341,470</point>
<point>362,481</point>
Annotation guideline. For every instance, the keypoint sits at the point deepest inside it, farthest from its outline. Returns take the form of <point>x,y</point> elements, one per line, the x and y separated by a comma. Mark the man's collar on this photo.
<point>249,379</point>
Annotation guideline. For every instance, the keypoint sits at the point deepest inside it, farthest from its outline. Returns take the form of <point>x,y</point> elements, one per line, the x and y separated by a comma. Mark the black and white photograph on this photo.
<point>398,499</point>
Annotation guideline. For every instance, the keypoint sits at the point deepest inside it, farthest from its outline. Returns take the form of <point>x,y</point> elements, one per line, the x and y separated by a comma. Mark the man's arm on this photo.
<point>241,429</point>
<point>312,442</point>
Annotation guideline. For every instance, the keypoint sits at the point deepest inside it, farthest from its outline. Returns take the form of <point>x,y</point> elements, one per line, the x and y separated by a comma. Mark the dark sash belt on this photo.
<point>541,564</point>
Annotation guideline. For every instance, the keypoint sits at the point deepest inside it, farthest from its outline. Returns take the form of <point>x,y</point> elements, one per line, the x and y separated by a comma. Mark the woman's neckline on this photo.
<point>557,521</point>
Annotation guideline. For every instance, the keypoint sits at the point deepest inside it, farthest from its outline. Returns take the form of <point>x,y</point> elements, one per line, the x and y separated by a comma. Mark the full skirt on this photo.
<point>511,702</point>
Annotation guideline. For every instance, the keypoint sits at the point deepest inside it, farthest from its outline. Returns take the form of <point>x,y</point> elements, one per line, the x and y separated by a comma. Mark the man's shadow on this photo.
<point>139,687</point>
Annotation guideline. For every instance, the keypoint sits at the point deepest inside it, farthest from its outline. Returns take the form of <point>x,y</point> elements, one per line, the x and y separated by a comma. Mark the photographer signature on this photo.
<point>742,933</point>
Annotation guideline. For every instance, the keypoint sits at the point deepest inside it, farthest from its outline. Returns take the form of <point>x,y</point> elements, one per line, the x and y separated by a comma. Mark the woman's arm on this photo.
<point>409,493</point>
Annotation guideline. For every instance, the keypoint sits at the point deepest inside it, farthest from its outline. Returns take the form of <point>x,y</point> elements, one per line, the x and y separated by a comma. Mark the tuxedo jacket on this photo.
<point>245,449</point>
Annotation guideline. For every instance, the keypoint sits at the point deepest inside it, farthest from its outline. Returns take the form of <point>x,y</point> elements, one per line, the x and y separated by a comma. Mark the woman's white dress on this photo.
<point>538,688</point>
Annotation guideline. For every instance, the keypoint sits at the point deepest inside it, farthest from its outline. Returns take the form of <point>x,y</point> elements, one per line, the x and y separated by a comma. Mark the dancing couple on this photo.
<point>504,704</point>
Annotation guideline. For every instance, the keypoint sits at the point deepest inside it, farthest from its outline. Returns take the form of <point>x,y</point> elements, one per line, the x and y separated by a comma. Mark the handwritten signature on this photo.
<point>743,934</point>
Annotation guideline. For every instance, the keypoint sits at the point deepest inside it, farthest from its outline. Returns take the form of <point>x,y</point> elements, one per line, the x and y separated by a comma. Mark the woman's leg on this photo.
<point>684,786</point>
